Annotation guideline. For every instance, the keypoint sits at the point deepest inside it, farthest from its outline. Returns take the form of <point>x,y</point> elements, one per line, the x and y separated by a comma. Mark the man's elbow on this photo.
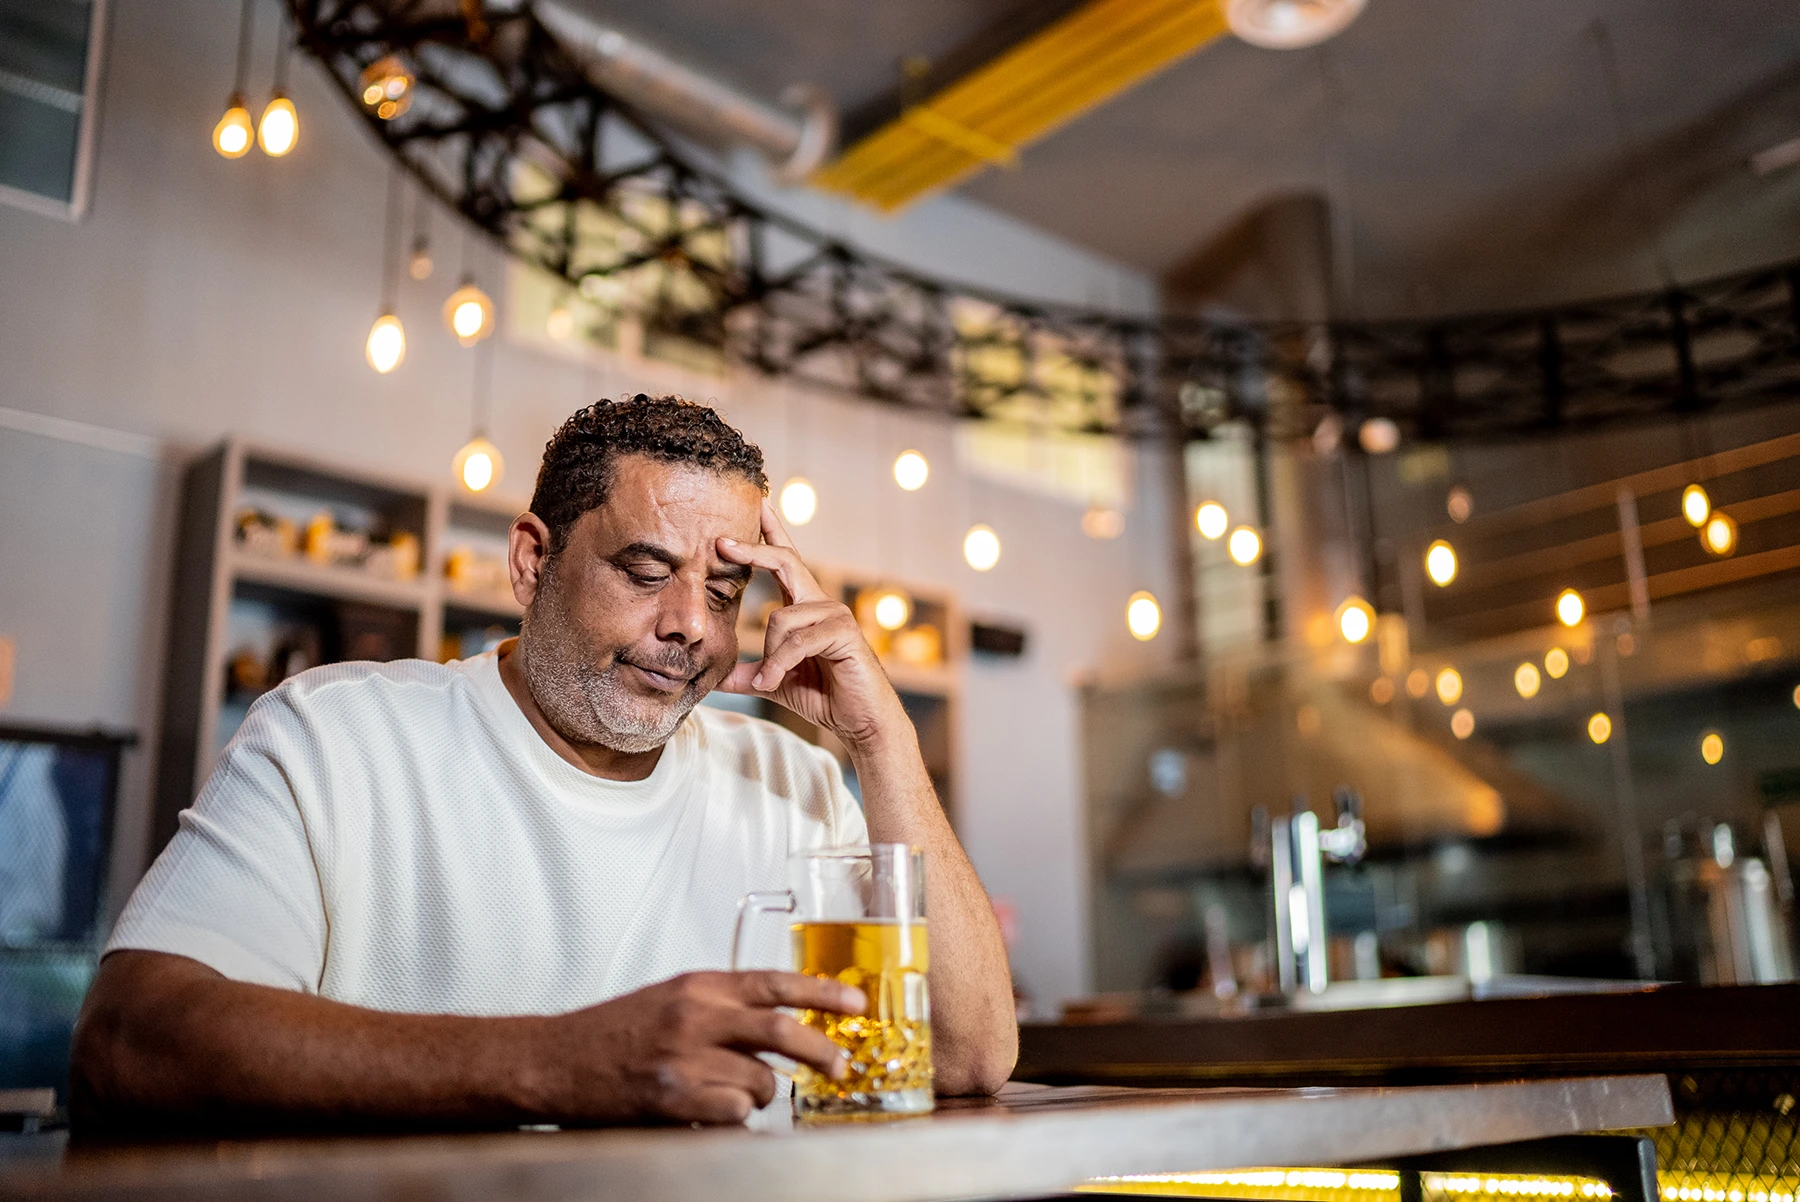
<point>94,1092</point>
<point>984,1068</point>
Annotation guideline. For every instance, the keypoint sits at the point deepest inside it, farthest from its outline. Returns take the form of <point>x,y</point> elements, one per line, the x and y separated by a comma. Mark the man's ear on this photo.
<point>527,550</point>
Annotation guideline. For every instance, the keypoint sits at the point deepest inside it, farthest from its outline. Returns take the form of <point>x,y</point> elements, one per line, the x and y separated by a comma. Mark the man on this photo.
<point>489,891</point>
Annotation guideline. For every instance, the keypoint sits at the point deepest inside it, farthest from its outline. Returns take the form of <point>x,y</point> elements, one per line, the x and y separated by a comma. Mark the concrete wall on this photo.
<point>201,297</point>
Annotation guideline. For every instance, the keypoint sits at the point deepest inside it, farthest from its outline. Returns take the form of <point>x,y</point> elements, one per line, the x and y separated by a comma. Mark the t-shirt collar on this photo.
<point>621,796</point>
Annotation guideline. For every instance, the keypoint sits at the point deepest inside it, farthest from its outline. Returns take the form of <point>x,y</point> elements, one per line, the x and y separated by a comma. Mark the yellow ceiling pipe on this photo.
<point>1082,60</point>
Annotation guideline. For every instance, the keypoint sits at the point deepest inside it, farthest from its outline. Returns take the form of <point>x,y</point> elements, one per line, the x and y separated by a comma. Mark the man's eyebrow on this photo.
<point>645,551</point>
<point>732,571</point>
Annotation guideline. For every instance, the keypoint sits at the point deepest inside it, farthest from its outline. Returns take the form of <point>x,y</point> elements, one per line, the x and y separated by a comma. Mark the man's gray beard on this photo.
<point>585,705</point>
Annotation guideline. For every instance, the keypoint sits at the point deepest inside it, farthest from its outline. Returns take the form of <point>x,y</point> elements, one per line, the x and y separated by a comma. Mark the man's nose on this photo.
<point>682,618</point>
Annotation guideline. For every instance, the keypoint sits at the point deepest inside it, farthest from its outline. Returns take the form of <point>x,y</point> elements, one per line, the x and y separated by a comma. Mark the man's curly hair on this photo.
<point>579,460</point>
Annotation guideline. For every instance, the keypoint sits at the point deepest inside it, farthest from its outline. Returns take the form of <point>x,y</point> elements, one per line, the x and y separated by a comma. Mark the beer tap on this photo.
<point>1294,850</point>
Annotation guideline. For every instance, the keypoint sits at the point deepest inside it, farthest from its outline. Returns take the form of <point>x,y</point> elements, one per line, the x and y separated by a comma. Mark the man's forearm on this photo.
<point>161,1042</point>
<point>975,1038</point>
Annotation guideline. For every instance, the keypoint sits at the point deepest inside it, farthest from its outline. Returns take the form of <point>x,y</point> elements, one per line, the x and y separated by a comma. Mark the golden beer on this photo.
<point>890,1046</point>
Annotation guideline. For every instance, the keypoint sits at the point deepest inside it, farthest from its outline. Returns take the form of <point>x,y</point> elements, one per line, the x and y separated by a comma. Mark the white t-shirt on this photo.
<point>398,836</point>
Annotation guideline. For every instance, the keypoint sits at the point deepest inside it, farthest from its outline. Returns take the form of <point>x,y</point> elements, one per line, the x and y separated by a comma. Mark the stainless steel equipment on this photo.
<point>1294,850</point>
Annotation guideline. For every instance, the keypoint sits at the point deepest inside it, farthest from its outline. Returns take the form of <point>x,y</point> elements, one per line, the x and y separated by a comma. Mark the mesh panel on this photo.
<point>1734,1139</point>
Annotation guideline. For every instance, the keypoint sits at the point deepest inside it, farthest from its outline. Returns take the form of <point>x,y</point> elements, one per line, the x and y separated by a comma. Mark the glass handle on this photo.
<point>781,902</point>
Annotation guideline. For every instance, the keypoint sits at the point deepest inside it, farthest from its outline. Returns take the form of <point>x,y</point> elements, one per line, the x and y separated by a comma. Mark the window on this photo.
<point>49,84</point>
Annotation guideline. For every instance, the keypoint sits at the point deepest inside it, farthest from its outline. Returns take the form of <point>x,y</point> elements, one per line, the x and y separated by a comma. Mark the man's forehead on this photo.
<point>676,500</point>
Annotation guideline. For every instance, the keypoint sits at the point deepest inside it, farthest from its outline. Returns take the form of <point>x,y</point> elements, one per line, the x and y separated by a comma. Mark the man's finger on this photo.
<point>789,651</point>
<point>773,532</point>
<point>770,987</point>
<point>739,678</point>
<point>772,1031</point>
<point>718,1104</point>
<point>797,584</point>
<point>734,1070</point>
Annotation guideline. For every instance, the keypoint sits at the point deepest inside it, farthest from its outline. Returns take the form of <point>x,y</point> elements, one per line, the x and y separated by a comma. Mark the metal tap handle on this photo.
<point>1345,843</point>
<point>1261,852</point>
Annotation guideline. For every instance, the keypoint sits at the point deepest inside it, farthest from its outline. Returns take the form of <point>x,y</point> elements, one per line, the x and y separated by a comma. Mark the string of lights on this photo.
<point>492,116</point>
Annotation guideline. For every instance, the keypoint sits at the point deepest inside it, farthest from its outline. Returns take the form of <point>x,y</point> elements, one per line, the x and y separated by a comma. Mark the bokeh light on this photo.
<point>911,470</point>
<point>1143,616</point>
<point>981,547</point>
<point>798,501</point>
<point>1449,686</point>
<point>1245,546</point>
<point>1440,563</point>
<point>1570,608</point>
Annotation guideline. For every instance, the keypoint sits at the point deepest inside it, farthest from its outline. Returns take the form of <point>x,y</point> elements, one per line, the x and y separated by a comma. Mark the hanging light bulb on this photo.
<point>892,609</point>
<point>1245,546</point>
<point>1527,680</point>
<point>560,324</point>
<point>1599,728</point>
<point>1355,620</point>
<point>419,266</point>
<point>387,87</point>
<point>1720,534</point>
<point>279,127</point>
<point>1570,607</point>
<point>386,347</point>
<point>478,465</point>
<point>1378,435</point>
<point>1289,24</point>
<point>1556,663</point>
<point>1099,522</point>
<point>981,547</point>
<point>1459,503</point>
<point>469,313</point>
<point>1449,686</point>
<point>232,135</point>
<point>1143,616</point>
<point>1440,563</point>
<point>1210,520</point>
<point>1462,724</point>
<point>1696,506</point>
<point>911,470</point>
<point>798,501</point>
<point>1712,747</point>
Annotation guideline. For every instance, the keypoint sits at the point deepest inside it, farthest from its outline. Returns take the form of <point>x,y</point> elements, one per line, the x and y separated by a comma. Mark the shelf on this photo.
<point>344,584</point>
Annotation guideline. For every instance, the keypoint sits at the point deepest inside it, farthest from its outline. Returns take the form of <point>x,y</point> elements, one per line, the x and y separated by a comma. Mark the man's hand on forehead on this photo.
<point>815,659</point>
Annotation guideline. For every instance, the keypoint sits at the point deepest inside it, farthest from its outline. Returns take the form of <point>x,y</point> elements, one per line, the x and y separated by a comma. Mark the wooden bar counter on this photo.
<point>1030,1142</point>
<point>1671,1029</point>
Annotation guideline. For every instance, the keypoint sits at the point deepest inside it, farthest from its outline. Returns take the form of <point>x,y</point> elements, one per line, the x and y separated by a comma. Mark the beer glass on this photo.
<point>857,915</point>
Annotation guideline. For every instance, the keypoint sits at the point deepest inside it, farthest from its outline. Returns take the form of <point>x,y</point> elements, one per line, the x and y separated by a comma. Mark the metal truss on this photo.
<point>505,128</point>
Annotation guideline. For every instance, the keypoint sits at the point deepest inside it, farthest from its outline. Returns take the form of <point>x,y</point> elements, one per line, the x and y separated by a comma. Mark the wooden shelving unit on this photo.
<point>221,587</point>
<point>230,598</point>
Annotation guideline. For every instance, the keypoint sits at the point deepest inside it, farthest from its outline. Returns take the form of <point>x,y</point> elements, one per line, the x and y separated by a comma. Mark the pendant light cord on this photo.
<point>243,55</point>
<point>390,255</point>
<point>284,43</point>
<point>482,401</point>
<point>421,222</point>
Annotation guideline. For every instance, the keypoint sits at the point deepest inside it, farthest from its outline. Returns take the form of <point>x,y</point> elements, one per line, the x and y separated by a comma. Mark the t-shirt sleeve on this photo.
<point>237,888</point>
